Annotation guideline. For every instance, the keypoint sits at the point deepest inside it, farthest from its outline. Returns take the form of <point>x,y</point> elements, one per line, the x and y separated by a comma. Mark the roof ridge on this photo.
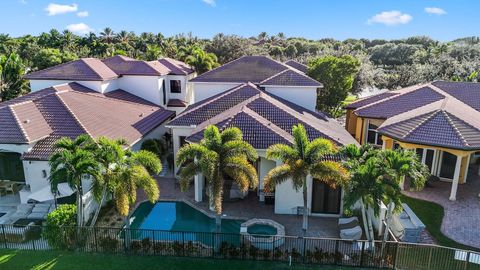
<point>433,113</point>
<point>20,127</point>
<point>226,92</point>
<point>268,124</point>
<point>73,115</point>
<point>406,91</point>
<point>449,119</point>
<point>273,76</point>
<point>92,69</point>
<point>228,63</point>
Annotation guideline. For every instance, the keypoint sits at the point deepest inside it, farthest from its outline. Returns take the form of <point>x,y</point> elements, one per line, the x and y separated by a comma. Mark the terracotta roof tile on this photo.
<point>84,69</point>
<point>290,77</point>
<point>298,66</point>
<point>174,102</point>
<point>368,100</point>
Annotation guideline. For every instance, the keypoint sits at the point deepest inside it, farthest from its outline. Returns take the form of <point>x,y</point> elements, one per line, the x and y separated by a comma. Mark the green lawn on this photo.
<point>46,260</point>
<point>431,214</point>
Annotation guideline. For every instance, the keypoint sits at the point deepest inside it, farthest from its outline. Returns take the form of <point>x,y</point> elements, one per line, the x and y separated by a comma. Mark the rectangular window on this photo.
<point>175,86</point>
<point>372,136</point>
<point>182,140</point>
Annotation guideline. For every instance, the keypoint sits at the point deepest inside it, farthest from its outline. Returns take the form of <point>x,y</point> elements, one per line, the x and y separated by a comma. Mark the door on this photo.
<point>447,167</point>
<point>325,200</point>
<point>11,167</point>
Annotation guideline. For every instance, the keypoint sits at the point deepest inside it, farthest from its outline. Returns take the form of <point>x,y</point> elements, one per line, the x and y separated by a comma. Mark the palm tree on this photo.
<point>153,52</point>
<point>201,60</point>
<point>399,164</point>
<point>107,34</point>
<point>218,156</point>
<point>12,83</point>
<point>108,153</point>
<point>123,36</point>
<point>134,173</point>
<point>72,160</point>
<point>303,159</point>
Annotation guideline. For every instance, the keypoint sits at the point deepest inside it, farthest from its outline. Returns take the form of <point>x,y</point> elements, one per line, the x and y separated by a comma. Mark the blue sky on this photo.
<point>441,19</point>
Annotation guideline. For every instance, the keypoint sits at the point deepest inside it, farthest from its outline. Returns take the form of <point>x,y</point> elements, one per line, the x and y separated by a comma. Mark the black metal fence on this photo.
<point>237,246</point>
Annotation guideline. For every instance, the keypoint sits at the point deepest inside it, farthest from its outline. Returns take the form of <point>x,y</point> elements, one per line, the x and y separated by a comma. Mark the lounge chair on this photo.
<point>347,223</point>
<point>354,233</point>
<point>39,211</point>
<point>23,210</point>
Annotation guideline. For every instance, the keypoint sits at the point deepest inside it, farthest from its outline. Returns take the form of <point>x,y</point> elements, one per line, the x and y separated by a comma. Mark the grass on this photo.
<point>46,260</point>
<point>431,214</point>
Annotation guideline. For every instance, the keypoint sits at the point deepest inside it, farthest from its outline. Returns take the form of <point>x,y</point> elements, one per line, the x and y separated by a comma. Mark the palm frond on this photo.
<point>277,176</point>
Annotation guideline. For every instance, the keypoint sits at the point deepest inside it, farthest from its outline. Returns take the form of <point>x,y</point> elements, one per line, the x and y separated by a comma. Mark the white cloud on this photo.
<point>210,2</point>
<point>79,28</point>
<point>82,14</point>
<point>393,17</point>
<point>55,9</point>
<point>435,10</point>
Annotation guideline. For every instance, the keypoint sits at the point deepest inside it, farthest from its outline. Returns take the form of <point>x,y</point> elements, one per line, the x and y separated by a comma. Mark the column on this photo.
<point>456,176</point>
<point>198,187</point>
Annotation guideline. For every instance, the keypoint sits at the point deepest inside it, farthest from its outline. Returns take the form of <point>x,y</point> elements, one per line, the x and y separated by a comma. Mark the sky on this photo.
<point>444,20</point>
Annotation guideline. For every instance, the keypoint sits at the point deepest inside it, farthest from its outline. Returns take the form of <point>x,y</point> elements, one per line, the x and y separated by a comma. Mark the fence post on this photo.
<point>397,247</point>
<point>154,243</point>
<point>33,240</point>
<point>467,260</point>
<point>213,245</point>
<point>336,252</point>
<point>95,238</point>
<point>430,257</point>
<point>183,243</point>
<point>4,235</point>
<point>361,253</point>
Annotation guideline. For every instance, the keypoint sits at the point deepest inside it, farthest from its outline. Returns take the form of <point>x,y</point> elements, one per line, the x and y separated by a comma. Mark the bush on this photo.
<point>156,146</point>
<point>108,243</point>
<point>60,229</point>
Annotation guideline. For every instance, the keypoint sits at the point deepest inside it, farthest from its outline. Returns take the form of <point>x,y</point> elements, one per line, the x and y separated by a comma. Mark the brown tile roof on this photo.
<point>290,77</point>
<point>263,118</point>
<point>174,102</point>
<point>84,69</point>
<point>297,65</point>
<point>255,69</point>
<point>70,110</point>
<point>369,100</point>
<point>92,69</point>
<point>441,114</point>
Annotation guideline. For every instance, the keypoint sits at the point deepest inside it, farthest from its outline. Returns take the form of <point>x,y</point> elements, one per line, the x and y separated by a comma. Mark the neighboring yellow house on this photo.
<point>439,120</point>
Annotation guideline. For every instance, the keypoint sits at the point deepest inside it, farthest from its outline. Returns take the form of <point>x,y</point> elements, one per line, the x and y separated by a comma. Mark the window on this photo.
<point>372,136</point>
<point>175,86</point>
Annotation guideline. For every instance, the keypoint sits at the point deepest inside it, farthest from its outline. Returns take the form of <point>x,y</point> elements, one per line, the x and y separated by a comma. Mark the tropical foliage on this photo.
<point>60,225</point>
<point>303,159</point>
<point>12,70</point>
<point>218,156</point>
<point>72,160</point>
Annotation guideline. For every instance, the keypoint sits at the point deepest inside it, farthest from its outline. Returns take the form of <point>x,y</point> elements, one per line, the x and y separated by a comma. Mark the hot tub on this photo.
<point>263,233</point>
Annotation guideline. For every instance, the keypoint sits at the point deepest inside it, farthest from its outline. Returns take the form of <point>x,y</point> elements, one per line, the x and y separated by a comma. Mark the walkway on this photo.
<point>250,207</point>
<point>462,217</point>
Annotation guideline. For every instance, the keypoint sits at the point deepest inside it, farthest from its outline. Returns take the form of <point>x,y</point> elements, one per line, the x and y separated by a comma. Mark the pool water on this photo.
<point>178,221</point>
<point>260,229</point>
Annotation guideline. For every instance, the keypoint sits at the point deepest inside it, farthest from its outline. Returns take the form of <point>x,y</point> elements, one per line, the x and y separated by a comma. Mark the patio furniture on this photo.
<point>11,187</point>
<point>354,233</point>
<point>349,228</point>
<point>347,223</point>
<point>407,226</point>
<point>40,211</point>
<point>23,210</point>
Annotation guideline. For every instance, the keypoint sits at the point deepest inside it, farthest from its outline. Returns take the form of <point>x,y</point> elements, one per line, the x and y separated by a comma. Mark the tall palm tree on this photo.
<point>399,164</point>
<point>12,83</point>
<point>72,160</point>
<point>108,153</point>
<point>107,34</point>
<point>134,173</point>
<point>218,156</point>
<point>123,36</point>
<point>153,52</point>
<point>302,159</point>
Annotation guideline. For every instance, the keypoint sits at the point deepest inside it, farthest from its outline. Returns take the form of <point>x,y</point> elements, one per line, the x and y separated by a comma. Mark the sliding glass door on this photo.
<point>325,200</point>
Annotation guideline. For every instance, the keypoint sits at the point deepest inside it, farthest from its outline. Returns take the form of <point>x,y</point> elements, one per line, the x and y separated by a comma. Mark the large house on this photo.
<point>439,120</point>
<point>117,97</point>
<point>263,98</point>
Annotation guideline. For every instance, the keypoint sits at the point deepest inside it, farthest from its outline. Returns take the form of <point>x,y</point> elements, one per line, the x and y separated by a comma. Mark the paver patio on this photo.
<point>250,207</point>
<point>461,221</point>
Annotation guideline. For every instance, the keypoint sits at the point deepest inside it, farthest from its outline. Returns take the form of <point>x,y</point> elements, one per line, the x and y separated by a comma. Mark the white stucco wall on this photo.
<point>146,87</point>
<point>34,175</point>
<point>202,91</point>
<point>303,96</point>
<point>98,86</point>
<point>183,85</point>
<point>177,132</point>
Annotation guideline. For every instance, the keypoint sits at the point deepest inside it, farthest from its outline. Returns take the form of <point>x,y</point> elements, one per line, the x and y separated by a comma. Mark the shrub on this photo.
<point>156,146</point>
<point>108,243</point>
<point>60,229</point>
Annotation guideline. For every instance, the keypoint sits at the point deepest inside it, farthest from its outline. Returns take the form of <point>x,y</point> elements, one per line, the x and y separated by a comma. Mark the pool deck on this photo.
<point>250,207</point>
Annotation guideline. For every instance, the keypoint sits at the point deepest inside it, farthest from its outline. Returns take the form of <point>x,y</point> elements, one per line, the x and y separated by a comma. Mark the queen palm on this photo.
<point>217,156</point>
<point>107,34</point>
<point>72,160</point>
<point>108,153</point>
<point>399,164</point>
<point>302,159</point>
<point>201,60</point>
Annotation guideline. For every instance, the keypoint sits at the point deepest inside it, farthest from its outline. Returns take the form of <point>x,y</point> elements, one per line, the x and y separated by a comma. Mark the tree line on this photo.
<point>382,63</point>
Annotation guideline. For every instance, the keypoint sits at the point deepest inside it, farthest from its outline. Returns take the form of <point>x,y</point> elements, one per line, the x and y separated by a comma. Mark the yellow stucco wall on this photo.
<point>351,122</point>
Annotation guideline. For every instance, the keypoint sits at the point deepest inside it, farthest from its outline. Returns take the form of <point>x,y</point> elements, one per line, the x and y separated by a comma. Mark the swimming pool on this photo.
<point>178,221</point>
